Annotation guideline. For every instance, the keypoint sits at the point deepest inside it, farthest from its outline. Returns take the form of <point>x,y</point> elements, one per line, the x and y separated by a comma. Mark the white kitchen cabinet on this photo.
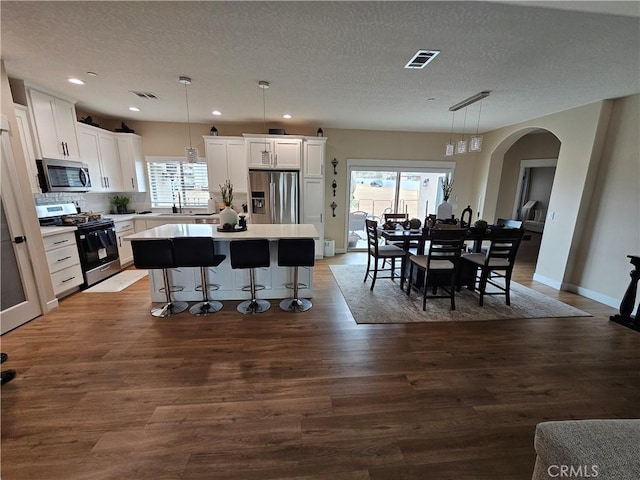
<point>226,159</point>
<point>284,153</point>
<point>313,157</point>
<point>63,261</point>
<point>54,121</point>
<point>131,162</point>
<point>313,209</point>
<point>124,228</point>
<point>99,150</point>
<point>26,139</point>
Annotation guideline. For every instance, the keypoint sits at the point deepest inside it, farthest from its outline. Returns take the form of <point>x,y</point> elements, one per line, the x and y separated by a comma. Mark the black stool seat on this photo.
<point>296,252</point>
<point>158,254</point>
<point>251,254</point>
<point>199,252</point>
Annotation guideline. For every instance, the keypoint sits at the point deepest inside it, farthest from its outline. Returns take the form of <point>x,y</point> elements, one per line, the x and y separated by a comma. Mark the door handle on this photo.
<point>19,239</point>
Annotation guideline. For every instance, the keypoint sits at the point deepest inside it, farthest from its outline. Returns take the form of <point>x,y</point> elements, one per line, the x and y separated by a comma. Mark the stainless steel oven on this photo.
<point>96,240</point>
<point>98,249</point>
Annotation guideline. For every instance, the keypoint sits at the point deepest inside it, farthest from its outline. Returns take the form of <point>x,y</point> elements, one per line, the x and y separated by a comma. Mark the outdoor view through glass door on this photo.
<point>375,192</point>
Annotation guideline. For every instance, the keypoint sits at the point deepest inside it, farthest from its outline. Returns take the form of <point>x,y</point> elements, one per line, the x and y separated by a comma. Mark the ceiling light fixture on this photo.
<point>266,157</point>
<point>216,112</point>
<point>470,100</point>
<point>190,152</point>
<point>134,109</point>
<point>449,149</point>
<point>76,81</point>
<point>461,145</point>
<point>475,143</point>
<point>286,115</point>
<point>92,74</point>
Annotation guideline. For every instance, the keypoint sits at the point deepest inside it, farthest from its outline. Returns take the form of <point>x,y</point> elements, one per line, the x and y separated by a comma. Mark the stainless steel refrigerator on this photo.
<point>274,196</point>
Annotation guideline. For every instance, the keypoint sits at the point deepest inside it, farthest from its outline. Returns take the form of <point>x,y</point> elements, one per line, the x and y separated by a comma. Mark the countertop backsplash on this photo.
<point>95,202</point>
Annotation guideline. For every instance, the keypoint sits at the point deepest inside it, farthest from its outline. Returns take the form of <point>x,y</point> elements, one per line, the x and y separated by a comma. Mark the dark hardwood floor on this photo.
<point>105,391</point>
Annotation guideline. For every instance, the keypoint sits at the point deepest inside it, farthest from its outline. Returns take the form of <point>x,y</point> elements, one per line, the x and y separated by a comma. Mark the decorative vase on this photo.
<point>445,210</point>
<point>228,216</point>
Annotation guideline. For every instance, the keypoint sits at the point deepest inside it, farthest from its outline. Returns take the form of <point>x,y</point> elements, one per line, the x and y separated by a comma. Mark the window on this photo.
<point>173,181</point>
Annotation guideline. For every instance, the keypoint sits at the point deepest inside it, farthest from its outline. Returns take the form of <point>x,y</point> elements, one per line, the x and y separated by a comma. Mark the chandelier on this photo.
<point>190,153</point>
<point>474,144</point>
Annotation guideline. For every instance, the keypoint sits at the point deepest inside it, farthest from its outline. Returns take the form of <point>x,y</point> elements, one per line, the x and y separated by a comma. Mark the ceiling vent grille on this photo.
<point>148,95</point>
<point>422,58</point>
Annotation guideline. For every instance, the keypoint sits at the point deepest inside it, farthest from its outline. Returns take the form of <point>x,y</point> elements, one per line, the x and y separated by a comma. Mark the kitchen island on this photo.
<point>274,278</point>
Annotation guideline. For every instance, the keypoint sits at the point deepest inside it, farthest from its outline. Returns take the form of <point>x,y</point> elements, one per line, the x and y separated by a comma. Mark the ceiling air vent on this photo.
<point>421,58</point>
<point>148,95</point>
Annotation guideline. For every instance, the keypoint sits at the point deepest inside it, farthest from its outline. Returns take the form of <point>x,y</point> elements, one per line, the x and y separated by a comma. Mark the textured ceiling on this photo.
<point>330,64</point>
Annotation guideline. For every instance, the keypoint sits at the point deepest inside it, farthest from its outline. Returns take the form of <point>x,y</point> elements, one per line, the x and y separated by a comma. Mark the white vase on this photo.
<point>445,210</point>
<point>228,215</point>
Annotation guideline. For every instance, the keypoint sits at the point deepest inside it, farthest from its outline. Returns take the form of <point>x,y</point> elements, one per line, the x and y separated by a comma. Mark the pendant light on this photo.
<point>449,149</point>
<point>461,145</point>
<point>190,152</point>
<point>475,143</point>
<point>266,156</point>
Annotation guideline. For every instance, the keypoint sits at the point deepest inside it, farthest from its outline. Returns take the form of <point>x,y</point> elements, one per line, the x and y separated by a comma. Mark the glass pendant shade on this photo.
<point>191,154</point>
<point>461,146</point>
<point>449,150</point>
<point>476,143</point>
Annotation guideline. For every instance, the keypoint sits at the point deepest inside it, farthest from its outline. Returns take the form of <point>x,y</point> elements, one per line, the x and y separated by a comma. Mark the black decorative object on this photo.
<point>124,129</point>
<point>334,162</point>
<point>465,218</point>
<point>319,132</point>
<point>333,207</point>
<point>214,131</point>
<point>629,300</point>
<point>334,185</point>
<point>89,121</point>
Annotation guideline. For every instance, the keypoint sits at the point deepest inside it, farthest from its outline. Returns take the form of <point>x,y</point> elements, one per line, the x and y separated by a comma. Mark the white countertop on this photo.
<point>254,231</point>
<point>163,216</point>
<point>48,231</point>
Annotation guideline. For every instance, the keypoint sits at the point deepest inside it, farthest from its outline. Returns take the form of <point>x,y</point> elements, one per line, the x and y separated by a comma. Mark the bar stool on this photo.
<point>296,252</point>
<point>251,254</point>
<point>199,252</point>
<point>153,255</point>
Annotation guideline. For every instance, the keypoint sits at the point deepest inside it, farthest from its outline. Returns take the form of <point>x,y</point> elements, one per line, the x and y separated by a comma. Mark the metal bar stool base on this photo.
<point>295,305</point>
<point>254,306</point>
<point>168,309</point>
<point>205,308</point>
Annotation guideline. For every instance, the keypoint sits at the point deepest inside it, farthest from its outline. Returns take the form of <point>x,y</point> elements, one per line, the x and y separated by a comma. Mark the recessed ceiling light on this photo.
<point>286,115</point>
<point>92,74</point>
<point>431,99</point>
<point>216,112</point>
<point>134,109</point>
<point>76,81</point>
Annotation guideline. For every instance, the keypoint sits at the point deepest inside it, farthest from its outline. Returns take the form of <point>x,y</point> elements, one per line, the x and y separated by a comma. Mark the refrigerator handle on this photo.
<point>272,200</point>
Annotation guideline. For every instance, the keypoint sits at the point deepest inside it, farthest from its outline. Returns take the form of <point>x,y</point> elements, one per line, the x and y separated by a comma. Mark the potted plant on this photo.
<point>121,203</point>
<point>226,191</point>
<point>479,226</point>
<point>228,215</point>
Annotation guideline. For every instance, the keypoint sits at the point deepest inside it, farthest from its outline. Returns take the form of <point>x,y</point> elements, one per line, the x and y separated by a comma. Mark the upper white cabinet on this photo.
<point>131,161</point>
<point>99,150</point>
<point>26,139</point>
<point>226,159</point>
<point>283,152</point>
<point>54,123</point>
<point>314,153</point>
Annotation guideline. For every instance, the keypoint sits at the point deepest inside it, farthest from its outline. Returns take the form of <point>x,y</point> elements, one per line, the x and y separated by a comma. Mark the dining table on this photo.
<point>406,237</point>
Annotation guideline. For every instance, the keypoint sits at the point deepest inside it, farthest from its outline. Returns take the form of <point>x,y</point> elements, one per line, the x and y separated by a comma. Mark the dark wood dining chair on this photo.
<point>497,262</point>
<point>377,252</point>
<point>440,265</point>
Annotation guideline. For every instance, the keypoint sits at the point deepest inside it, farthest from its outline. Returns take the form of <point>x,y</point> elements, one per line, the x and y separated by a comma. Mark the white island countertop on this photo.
<point>253,232</point>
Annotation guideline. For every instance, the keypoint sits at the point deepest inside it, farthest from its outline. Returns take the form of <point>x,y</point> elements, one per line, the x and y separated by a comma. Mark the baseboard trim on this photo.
<point>548,281</point>
<point>52,304</point>
<point>597,296</point>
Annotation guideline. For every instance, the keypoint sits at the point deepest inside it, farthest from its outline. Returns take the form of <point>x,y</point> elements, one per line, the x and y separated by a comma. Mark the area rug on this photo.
<point>118,282</point>
<point>388,304</point>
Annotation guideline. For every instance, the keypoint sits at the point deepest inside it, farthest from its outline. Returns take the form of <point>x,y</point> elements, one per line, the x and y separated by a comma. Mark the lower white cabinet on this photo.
<point>125,251</point>
<point>63,261</point>
<point>313,209</point>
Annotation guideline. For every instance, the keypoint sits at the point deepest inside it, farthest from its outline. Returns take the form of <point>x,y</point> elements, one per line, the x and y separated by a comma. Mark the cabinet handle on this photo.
<point>132,185</point>
<point>62,146</point>
<point>60,241</point>
<point>120,242</point>
<point>68,279</point>
<point>64,258</point>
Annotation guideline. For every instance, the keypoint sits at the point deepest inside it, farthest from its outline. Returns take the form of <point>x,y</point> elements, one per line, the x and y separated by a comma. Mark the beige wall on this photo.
<point>612,225</point>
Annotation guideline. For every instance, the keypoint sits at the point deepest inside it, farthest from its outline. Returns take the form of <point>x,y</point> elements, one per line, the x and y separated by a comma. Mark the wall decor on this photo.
<point>334,185</point>
<point>334,162</point>
<point>333,207</point>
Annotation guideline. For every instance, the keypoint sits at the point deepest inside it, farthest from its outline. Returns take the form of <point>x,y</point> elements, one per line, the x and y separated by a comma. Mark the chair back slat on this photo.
<point>372,235</point>
<point>504,243</point>
<point>446,244</point>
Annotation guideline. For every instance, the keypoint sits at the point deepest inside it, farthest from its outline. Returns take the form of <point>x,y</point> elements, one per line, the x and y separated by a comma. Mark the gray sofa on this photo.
<point>588,449</point>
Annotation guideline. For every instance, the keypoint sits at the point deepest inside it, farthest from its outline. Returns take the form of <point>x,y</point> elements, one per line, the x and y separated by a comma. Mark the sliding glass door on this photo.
<point>375,191</point>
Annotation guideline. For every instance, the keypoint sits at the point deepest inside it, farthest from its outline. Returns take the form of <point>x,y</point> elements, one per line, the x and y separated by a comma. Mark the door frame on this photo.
<point>524,165</point>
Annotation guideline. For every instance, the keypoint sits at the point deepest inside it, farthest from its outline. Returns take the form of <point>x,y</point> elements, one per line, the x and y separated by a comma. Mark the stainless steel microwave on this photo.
<point>63,176</point>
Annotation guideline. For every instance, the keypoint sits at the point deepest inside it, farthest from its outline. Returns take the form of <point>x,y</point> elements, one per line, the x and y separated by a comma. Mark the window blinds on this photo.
<point>178,182</point>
